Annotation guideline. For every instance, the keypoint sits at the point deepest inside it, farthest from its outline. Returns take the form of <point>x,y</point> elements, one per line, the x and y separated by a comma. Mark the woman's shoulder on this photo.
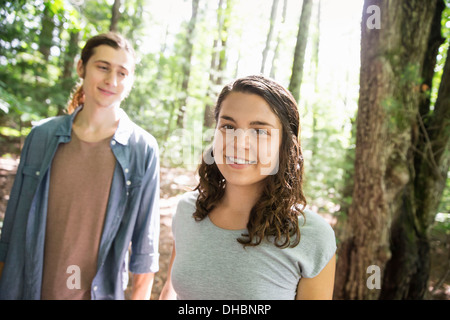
<point>187,201</point>
<point>185,209</point>
<point>313,221</point>
<point>317,242</point>
<point>314,228</point>
<point>186,204</point>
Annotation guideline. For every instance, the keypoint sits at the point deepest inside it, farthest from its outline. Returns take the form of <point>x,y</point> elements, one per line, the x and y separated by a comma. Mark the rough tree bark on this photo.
<point>388,121</point>
<point>407,273</point>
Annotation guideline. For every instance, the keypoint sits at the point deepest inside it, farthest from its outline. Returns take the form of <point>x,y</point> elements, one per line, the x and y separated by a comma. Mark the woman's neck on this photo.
<point>233,211</point>
<point>241,198</point>
<point>95,124</point>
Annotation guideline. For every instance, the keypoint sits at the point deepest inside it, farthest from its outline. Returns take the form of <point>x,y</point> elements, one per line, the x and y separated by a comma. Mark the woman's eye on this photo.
<point>227,127</point>
<point>261,131</point>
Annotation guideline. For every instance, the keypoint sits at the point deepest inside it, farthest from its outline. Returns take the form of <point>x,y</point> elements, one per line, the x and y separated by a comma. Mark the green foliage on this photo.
<point>40,40</point>
<point>32,43</point>
<point>443,51</point>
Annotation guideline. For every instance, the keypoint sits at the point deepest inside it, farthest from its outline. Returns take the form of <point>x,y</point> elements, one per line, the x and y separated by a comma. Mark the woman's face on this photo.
<point>247,139</point>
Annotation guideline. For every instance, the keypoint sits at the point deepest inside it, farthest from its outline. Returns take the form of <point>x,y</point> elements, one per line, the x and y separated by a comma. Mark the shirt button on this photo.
<point>95,288</point>
<point>113,143</point>
<point>38,173</point>
<point>128,182</point>
<point>126,170</point>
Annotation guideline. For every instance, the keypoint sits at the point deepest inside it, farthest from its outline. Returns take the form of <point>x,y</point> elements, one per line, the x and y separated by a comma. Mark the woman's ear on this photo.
<point>80,69</point>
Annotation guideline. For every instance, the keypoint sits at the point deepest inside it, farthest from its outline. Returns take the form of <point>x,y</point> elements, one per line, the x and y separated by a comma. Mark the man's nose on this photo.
<point>111,79</point>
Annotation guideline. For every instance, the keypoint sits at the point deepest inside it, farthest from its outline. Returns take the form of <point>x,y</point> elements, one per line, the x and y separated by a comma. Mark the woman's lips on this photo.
<point>238,163</point>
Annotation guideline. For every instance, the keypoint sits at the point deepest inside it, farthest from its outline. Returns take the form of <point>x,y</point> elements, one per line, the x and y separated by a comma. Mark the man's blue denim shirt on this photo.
<point>132,211</point>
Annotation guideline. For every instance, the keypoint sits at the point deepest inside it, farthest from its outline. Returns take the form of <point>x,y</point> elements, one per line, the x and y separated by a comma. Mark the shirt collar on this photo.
<point>65,129</point>
<point>121,135</point>
<point>124,128</point>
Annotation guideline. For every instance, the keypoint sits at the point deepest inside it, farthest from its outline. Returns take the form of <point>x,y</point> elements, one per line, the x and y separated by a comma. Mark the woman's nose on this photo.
<point>242,138</point>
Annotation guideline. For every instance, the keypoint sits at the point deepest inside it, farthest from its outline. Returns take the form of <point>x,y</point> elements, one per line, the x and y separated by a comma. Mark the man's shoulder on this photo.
<point>51,123</point>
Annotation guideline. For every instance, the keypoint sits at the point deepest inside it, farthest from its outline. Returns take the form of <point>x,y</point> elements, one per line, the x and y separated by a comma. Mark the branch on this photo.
<point>429,150</point>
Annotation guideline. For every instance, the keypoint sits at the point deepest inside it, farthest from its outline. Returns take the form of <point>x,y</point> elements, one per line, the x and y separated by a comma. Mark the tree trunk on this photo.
<point>392,60</point>
<point>218,62</point>
<point>407,273</point>
<point>187,63</point>
<point>300,48</point>
<point>115,16</point>
<point>277,47</point>
<point>315,73</point>
<point>273,15</point>
<point>66,79</point>
<point>46,36</point>
<point>316,46</point>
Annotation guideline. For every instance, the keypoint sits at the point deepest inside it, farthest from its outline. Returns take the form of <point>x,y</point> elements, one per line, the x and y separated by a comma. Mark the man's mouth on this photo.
<point>107,92</point>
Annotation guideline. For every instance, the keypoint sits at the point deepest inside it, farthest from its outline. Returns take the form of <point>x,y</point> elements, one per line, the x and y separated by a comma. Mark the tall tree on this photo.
<point>218,60</point>
<point>409,267</point>
<point>115,16</point>
<point>315,69</point>
<point>46,36</point>
<point>400,163</point>
<point>300,48</point>
<point>66,79</point>
<point>186,66</point>
<point>273,15</point>
<point>277,47</point>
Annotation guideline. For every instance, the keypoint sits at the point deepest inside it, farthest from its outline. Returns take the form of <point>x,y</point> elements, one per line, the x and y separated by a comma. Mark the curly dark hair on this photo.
<point>276,213</point>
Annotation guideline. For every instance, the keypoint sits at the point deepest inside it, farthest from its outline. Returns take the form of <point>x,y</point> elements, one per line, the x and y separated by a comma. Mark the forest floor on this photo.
<point>176,181</point>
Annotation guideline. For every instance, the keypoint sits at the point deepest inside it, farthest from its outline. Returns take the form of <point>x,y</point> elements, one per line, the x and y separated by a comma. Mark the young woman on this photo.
<point>87,185</point>
<point>244,233</point>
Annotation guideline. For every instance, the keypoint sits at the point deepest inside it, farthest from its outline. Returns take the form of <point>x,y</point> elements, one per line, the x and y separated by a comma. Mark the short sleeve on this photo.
<point>317,244</point>
<point>185,208</point>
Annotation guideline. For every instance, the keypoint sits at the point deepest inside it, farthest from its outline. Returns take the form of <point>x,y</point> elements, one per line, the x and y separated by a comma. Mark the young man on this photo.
<point>87,186</point>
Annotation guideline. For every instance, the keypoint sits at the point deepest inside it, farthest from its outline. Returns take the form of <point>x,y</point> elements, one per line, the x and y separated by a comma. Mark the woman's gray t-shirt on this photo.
<point>210,264</point>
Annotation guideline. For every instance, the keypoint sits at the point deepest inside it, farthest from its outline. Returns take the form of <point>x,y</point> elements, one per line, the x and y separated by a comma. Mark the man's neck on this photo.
<point>95,124</point>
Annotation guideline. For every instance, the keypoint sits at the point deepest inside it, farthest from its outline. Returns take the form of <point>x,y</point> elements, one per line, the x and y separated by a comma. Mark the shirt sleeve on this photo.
<point>317,244</point>
<point>145,240</point>
<point>11,208</point>
<point>185,209</point>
